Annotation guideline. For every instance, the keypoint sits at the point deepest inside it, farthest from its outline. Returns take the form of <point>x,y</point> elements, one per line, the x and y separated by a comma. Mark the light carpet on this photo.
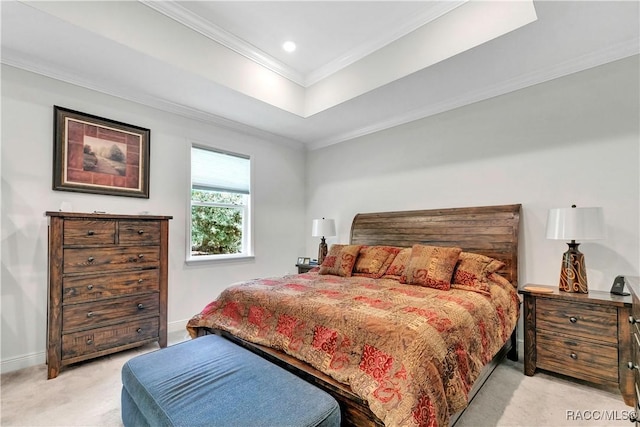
<point>88,394</point>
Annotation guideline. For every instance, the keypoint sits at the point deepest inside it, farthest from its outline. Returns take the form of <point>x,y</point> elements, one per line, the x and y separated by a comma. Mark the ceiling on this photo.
<point>360,66</point>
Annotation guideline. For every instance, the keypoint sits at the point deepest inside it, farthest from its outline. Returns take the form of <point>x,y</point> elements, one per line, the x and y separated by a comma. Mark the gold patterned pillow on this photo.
<point>472,271</point>
<point>431,266</point>
<point>399,263</point>
<point>340,260</point>
<point>373,261</point>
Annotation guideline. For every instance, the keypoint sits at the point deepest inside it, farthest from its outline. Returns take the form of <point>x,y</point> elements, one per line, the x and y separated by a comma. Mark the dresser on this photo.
<point>107,285</point>
<point>584,336</point>
<point>634,362</point>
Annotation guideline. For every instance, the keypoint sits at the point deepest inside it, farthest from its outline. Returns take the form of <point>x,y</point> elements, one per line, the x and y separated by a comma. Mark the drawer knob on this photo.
<point>89,341</point>
<point>573,356</point>
<point>90,233</point>
<point>90,314</point>
<point>631,366</point>
<point>140,306</point>
<point>139,330</point>
<point>633,320</point>
<point>90,287</point>
<point>141,232</point>
<point>140,280</point>
<point>573,319</point>
<point>90,259</point>
<point>140,256</point>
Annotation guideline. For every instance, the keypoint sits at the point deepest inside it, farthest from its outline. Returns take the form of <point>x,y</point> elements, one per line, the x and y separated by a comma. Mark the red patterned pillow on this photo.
<point>340,260</point>
<point>431,266</point>
<point>399,263</point>
<point>472,271</point>
<point>373,261</point>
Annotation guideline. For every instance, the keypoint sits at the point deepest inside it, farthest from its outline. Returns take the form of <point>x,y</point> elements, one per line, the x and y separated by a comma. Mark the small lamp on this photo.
<point>574,224</point>
<point>323,228</point>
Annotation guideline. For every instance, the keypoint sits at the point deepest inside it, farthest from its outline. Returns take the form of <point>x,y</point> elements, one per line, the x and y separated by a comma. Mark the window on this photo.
<point>220,199</point>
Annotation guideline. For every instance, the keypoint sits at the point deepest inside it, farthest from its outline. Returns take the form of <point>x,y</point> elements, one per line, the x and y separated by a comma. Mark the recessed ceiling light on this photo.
<point>289,46</point>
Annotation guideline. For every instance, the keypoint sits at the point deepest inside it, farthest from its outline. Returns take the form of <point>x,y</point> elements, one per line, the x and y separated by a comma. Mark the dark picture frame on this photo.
<point>96,155</point>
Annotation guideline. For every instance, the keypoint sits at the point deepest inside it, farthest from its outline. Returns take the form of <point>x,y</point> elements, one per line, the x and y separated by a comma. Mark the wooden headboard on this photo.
<point>487,230</point>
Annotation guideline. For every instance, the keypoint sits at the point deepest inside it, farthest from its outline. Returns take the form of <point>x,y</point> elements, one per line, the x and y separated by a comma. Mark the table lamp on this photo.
<point>323,228</point>
<point>574,224</point>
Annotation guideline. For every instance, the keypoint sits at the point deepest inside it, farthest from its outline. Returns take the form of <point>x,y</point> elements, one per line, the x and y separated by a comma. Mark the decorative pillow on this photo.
<point>340,260</point>
<point>399,263</point>
<point>373,261</point>
<point>472,271</point>
<point>431,266</point>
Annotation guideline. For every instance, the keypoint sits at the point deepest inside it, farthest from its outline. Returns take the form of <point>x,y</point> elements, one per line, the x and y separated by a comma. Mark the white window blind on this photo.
<point>231,172</point>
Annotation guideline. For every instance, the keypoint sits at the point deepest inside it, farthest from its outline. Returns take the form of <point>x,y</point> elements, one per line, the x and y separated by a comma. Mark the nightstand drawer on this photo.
<point>577,358</point>
<point>595,322</point>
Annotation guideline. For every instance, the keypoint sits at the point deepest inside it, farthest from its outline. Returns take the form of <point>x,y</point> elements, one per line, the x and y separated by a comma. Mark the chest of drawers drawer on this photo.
<point>90,260</point>
<point>107,285</point>
<point>137,232</point>
<point>94,341</point>
<point>88,288</point>
<point>96,313</point>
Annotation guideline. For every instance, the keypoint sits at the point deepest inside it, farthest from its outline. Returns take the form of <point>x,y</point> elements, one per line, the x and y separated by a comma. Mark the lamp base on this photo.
<point>322,251</point>
<point>573,274</point>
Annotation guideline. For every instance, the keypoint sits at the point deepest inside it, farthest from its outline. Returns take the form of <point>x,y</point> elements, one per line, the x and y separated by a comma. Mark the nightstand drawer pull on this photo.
<point>572,319</point>
<point>90,259</point>
<point>574,356</point>
<point>90,233</point>
<point>140,280</point>
<point>89,341</point>
<point>90,287</point>
<point>90,314</point>
<point>140,232</point>
<point>139,330</point>
<point>141,256</point>
<point>631,366</point>
<point>140,306</point>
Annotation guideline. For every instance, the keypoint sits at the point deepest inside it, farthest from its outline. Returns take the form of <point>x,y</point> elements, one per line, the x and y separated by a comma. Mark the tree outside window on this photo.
<point>220,199</point>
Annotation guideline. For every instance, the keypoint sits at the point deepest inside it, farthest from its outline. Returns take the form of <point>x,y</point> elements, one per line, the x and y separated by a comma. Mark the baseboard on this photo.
<point>38,358</point>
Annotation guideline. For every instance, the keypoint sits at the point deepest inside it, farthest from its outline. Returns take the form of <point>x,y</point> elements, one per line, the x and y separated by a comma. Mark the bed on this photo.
<point>390,352</point>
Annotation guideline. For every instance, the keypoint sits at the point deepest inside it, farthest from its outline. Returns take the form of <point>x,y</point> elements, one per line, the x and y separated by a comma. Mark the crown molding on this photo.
<point>173,10</point>
<point>612,53</point>
<point>13,59</point>
<point>412,24</point>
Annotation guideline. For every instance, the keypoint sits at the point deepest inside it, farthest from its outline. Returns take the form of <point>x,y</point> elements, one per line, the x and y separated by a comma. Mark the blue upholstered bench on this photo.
<point>210,381</point>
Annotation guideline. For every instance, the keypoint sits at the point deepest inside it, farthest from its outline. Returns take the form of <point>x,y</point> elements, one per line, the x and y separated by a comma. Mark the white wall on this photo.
<point>27,151</point>
<point>572,140</point>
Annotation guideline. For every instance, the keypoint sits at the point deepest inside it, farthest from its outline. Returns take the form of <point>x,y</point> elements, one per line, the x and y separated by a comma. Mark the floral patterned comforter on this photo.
<point>411,352</point>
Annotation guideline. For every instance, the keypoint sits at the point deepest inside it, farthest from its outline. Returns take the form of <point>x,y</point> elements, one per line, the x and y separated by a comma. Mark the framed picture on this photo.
<point>97,155</point>
<point>300,260</point>
<point>307,260</point>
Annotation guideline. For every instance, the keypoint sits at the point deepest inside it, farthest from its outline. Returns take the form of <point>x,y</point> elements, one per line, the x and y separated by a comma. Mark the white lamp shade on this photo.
<point>323,228</point>
<point>575,224</point>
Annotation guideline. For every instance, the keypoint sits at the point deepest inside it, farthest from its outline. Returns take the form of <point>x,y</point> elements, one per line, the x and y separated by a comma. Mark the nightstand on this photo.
<point>584,336</point>
<point>303,268</point>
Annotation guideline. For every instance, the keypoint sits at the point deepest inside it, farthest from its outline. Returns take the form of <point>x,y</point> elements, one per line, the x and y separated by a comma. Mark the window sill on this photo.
<point>215,259</point>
